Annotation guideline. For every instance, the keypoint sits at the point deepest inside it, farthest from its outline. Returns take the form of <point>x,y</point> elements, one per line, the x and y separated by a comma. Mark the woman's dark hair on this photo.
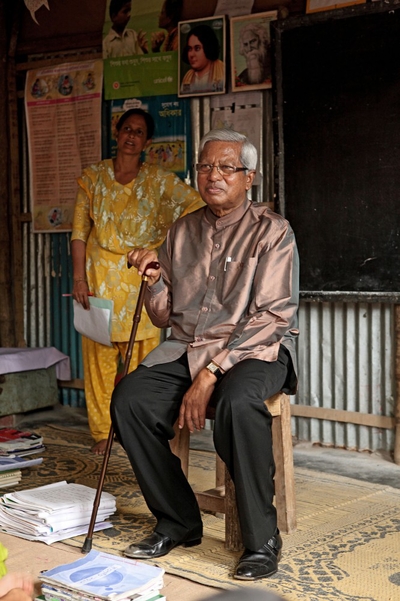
<point>115,7</point>
<point>209,40</point>
<point>146,116</point>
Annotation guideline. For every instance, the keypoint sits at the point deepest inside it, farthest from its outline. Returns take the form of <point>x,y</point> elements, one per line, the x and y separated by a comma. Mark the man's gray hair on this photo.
<point>260,31</point>
<point>248,152</point>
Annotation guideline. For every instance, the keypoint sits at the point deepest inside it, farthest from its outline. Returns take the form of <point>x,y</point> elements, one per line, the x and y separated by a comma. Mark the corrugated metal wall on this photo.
<point>346,355</point>
<point>346,361</point>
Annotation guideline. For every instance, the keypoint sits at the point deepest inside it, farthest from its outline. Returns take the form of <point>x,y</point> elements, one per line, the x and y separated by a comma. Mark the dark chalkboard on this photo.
<point>341,138</point>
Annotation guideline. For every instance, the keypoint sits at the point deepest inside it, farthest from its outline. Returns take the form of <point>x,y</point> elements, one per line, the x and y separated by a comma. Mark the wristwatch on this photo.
<point>214,369</point>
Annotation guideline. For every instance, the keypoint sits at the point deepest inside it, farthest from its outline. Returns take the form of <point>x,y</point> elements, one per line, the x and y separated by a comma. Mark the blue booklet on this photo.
<point>104,576</point>
<point>17,463</point>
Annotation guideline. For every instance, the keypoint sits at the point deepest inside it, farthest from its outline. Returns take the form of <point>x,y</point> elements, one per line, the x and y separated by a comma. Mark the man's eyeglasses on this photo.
<point>206,168</point>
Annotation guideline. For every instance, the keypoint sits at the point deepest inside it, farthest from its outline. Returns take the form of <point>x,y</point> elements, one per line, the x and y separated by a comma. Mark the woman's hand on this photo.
<point>80,292</point>
<point>140,258</point>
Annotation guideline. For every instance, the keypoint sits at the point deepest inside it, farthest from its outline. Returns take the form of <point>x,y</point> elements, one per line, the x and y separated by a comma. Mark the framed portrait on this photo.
<point>251,51</point>
<point>201,52</point>
<point>315,6</point>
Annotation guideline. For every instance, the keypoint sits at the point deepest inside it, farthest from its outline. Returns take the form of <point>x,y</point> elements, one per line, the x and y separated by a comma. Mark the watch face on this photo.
<point>212,367</point>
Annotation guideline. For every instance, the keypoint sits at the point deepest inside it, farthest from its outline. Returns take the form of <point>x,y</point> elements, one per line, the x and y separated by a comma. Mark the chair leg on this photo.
<point>180,446</point>
<point>219,471</point>
<point>233,535</point>
<point>284,475</point>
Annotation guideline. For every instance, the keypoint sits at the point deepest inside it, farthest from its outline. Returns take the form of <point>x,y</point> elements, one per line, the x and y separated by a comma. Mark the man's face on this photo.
<point>121,19</point>
<point>223,193</point>
<point>251,41</point>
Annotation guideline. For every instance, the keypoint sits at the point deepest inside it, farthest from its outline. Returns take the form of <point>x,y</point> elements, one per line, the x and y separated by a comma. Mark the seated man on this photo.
<point>228,289</point>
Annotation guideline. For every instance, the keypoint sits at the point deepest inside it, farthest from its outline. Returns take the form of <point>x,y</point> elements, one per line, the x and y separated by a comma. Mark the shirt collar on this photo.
<point>230,218</point>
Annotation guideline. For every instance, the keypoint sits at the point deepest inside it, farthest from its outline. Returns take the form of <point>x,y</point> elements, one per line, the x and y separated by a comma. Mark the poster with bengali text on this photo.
<point>170,147</point>
<point>140,43</point>
<point>63,113</point>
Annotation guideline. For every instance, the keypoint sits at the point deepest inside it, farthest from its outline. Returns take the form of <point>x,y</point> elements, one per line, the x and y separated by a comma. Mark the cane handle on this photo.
<point>151,265</point>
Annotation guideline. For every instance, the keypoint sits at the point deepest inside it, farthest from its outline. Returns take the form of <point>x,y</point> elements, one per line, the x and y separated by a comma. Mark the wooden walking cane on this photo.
<point>87,545</point>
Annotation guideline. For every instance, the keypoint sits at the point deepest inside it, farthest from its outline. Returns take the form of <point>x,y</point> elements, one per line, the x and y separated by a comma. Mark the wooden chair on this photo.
<point>221,499</point>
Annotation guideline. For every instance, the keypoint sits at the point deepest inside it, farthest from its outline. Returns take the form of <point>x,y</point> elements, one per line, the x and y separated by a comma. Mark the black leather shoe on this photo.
<point>156,545</point>
<point>262,563</point>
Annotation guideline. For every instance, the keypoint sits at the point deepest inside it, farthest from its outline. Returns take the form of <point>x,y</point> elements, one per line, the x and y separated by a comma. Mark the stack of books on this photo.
<point>101,576</point>
<point>10,469</point>
<point>9,477</point>
<point>53,512</point>
<point>14,446</point>
<point>19,443</point>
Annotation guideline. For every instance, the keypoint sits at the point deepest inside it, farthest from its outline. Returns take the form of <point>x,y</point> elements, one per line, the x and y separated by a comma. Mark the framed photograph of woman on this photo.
<point>202,57</point>
<point>251,51</point>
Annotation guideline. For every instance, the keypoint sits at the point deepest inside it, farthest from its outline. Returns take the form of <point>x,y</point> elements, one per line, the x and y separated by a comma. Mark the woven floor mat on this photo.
<point>346,547</point>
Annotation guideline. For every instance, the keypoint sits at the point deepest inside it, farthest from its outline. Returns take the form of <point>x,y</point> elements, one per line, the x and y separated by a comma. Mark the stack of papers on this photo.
<point>101,576</point>
<point>95,323</point>
<point>17,442</point>
<point>53,512</point>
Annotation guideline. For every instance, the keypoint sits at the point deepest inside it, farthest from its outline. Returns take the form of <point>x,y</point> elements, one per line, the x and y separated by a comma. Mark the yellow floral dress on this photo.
<point>112,219</point>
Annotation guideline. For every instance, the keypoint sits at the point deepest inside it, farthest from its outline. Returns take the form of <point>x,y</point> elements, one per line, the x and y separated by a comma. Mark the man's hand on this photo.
<point>195,401</point>
<point>140,258</point>
<point>142,40</point>
<point>157,39</point>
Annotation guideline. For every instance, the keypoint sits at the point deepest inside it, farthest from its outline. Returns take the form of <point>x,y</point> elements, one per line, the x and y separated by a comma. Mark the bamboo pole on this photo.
<point>397,376</point>
<point>14,180</point>
<point>6,316</point>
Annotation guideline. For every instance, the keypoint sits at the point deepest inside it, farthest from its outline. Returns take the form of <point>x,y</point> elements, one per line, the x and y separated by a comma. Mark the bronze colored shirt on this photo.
<point>229,289</point>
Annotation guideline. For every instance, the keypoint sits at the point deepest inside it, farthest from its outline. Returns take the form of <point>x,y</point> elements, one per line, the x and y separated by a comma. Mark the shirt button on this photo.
<point>204,309</point>
<point>212,277</point>
<point>217,245</point>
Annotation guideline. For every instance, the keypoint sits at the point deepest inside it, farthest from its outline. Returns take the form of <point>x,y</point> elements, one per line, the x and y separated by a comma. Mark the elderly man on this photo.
<point>228,289</point>
<point>254,46</point>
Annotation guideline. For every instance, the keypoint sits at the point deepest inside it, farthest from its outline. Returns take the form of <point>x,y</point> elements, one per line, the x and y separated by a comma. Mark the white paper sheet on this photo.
<point>94,323</point>
<point>233,8</point>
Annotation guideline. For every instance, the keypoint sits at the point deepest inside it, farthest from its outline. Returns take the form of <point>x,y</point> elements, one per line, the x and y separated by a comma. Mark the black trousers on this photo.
<point>144,408</point>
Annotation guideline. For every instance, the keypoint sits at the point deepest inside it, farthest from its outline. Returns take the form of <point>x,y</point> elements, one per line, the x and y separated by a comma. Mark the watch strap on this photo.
<point>214,369</point>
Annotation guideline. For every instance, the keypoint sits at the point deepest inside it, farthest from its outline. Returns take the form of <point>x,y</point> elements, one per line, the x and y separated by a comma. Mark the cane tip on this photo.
<point>87,545</point>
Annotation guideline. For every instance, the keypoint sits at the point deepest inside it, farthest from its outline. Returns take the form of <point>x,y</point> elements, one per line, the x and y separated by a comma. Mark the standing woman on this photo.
<point>121,204</point>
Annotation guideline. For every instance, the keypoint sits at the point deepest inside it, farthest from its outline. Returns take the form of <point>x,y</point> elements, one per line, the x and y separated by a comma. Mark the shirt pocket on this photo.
<point>235,283</point>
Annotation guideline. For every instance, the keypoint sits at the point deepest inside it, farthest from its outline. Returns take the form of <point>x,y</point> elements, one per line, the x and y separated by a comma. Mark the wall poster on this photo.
<point>314,6</point>
<point>202,57</point>
<point>251,51</point>
<point>170,147</point>
<point>63,114</point>
<point>140,48</point>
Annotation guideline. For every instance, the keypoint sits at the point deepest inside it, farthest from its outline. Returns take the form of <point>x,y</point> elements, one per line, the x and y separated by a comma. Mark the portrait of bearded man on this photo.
<point>254,46</point>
